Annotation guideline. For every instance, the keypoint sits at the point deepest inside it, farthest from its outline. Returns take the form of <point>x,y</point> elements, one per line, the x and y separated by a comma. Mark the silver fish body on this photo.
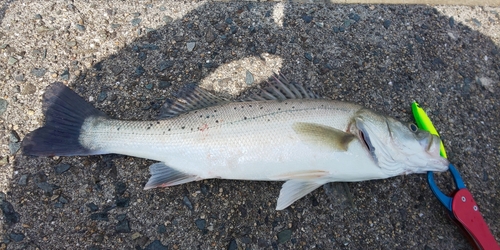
<point>303,140</point>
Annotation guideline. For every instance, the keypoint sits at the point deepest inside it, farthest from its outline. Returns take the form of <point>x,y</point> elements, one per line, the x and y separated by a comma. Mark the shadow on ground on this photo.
<point>382,57</point>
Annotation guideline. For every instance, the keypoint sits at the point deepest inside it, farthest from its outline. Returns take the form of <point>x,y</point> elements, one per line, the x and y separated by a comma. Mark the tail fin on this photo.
<point>65,111</point>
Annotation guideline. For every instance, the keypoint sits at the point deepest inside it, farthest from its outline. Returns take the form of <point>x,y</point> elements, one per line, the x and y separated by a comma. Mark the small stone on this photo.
<point>93,207</point>
<point>201,223</point>
<point>3,106</point>
<point>229,20</point>
<point>190,46</point>
<point>65,75</point>
<point>162,229</point>
<point>210,36</point>
<point>61,168</point>
<point>187,202</point>
<point>233,245</point>
<point>102,96</point>
<point>167,19</point>
<point>14,142</point>
<point>58,205</point>
<point>354,16</point>
<point>142,241</point>
<point>136,21</point>
<point>156,245</point>
<point>10,216</point>
<point>11,60</point>
<point>120,188</point>
<point>308,56</point>
<point>23,180</point>
<point>451,22</point>
<point>150,47</point>
<point>19,78</point>
<point>17,237</point>
<point>142,56</point>
<point>136,235</point>
<point>249,79</point>
<point>38,72</point>
<point>307,18</point>
<point>387,23</point>
<point>47,187</point>
<point>63,200</point>
<point>122,202</point>
<point>80,27</point>
<point>164,84</point>
<point>38,17</point>
<point>71,43</point>
<point>284,236</point>
<point>419,39</point>
<point>476,22</point>
<point>165,65</point>
<point>103,216</point>
<point>139,70</point>
<point>116,69</point>
<point>123,226</point>
<point>98,66</point>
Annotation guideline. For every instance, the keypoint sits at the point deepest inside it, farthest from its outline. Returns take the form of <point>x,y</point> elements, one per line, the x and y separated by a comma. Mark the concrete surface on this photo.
<point>126,58</point>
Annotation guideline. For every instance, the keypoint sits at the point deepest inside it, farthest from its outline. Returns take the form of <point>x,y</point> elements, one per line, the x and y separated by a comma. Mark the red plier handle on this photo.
<point>463,208</point>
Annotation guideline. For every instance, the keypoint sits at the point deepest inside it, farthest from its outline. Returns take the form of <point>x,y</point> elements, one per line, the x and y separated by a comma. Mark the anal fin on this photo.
<point>165,176</point>
<point>293,190</point>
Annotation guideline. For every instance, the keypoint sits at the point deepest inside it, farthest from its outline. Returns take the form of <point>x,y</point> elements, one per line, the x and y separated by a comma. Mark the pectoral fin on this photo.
<point>321,135</point>
<point>165,176</point>
<point>293,190</point>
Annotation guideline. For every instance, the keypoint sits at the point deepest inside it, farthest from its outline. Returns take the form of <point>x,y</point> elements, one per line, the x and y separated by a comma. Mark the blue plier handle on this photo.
<point>444,199</point>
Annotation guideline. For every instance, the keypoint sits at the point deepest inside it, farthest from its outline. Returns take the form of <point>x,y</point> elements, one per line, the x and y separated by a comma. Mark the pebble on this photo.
<point>136,21</point>
<point>122,202</point>
<point>123,226</point>
<point>139,70</point>
<point>284,236</point>
<point>249,78</point>
<point>93,207</point>
<point>162,229</point>
<point>102,96</point>
<point>71,43</point>
<point>164,84</point>
<point>476,22</point>
<point>14,142</point>
<point>354,16</point>
<point>102,216</point>
<point>38,17</point>
<point>167,19</point>
<point>23,180</point>
<point>65,75</point>
<point>19,78</point>
<point>307,18</point>
<point>142,56</point>
<point>150,47</point>
<point>47,187</point>
<point>149,86</point>
<point>17,237</point>
<point>80,27</point>
<point>10,216</point>
<point>451,22</point>
<point>187,202</point>
<point>38,72</point>
<point>61,168</point>
<point>11,60</point>
<point>156,245</point>
<point>190,46</point>
<point>63,200</point>
<point>233,245</point>
<point>387,23</point>
<point>210,36</point>
<point>136,235</point>
<point>308,56</point>
<point>3,106</point>
<point>201,223</point>
<point>116,69</point>
<point>120,188</point>
<point>163,65</point>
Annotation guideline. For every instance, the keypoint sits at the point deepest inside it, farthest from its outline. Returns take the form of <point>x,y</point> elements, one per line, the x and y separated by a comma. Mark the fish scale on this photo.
<point>283,133</point>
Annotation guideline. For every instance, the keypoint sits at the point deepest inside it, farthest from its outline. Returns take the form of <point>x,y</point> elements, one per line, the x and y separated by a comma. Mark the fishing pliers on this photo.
<point>462,208</point>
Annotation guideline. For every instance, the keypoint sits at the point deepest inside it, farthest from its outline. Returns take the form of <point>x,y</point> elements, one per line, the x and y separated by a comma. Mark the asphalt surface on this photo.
<point>128,58</point>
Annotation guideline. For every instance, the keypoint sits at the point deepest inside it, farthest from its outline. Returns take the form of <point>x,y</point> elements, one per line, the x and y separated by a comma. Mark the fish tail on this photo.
<point>65,112</point>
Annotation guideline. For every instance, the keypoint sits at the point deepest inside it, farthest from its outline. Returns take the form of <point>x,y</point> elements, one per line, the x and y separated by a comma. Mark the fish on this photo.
<point>283,132</point>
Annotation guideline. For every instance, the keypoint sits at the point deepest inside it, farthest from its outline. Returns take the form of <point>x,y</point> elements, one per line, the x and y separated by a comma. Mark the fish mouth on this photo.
<point>364,137</point>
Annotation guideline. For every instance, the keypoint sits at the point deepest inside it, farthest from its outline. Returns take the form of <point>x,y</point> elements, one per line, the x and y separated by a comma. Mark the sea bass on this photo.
<point>284,133</point>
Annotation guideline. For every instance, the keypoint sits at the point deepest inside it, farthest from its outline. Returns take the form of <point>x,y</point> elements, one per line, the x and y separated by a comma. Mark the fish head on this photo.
<point>397,147</point>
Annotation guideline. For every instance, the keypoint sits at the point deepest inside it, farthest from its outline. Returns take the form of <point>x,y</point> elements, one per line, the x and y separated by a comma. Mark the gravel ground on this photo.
<point>128,58</point>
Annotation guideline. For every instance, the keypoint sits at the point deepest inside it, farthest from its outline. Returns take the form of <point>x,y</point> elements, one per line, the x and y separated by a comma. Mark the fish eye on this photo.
<point>413,127</point>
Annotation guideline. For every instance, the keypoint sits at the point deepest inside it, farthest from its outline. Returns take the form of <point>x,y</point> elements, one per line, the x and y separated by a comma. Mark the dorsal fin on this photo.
<point>191,97</point>
<point>280,88</point>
